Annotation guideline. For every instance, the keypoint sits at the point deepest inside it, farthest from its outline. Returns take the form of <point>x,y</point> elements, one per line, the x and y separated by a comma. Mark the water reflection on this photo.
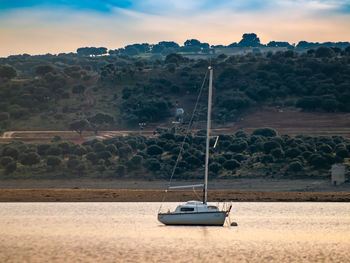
<point>130,232</point>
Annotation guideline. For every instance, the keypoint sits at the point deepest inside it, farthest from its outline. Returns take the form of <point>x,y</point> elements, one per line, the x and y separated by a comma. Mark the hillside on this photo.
<point>71,92</point>
<point>297,94</point>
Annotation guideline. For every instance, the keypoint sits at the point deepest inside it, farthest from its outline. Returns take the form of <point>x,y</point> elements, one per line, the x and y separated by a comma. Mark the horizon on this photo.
<point>57,26</point>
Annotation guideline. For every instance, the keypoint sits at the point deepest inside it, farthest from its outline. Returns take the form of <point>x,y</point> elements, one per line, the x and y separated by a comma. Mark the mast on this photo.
<point>205,188</point>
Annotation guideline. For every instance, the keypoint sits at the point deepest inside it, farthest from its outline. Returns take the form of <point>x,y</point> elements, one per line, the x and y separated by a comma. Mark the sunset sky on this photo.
<point>55,26</point>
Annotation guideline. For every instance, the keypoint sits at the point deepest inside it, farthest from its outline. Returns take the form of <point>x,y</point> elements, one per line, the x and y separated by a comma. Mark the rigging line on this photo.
<point>186,134</point>
<point>184,140</point>
<point>188,127</point>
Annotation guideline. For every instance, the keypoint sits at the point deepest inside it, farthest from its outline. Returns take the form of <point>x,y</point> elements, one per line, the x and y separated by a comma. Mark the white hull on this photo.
<point>198,218</point>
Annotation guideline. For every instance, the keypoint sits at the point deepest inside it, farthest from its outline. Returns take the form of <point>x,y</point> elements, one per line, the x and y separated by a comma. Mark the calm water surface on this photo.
<point>129,232</point>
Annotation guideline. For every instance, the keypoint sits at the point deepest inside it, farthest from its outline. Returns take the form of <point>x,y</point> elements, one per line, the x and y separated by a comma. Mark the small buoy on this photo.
<point>234,224</point>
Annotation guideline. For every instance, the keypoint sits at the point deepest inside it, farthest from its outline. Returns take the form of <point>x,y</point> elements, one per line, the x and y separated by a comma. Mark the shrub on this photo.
<point>104,155</point>
<point>154,150</point>
<point>120,170</point>
<point>11,167</point>
<point>295,167</point>
<point>265,159</point>
<point>29,158</point>
<point>342,153</point>
<point>73,163</point>
<point>239,157</point>
<point>99,147</point>
<point>266,132</point>
<point>153,164</point>
<point>111,148</point>
<point>270,145</point>
<point>231,164</point>
<point>4,161</point>
<point>79,150</point>
<point>10,151</point>
<point>92,157</point>
<point>53,161</point>
<point>325,148</point>
<point>136,161</point>
<point>292,152</point>
<point>215,167</point>
<point>53,150</point>
<point>238,146</point>
<point>42,148</point>
<point>277,153</point>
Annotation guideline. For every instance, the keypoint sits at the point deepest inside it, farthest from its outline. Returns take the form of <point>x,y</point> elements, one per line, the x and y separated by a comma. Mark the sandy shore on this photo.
<point>238,184</point>
<point>117,190</point>
<point>129,195</point>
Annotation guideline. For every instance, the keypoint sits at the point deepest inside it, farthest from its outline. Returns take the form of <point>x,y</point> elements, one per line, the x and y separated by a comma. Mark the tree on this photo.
<point>92,157</point>
<point>192,42</point>
<point>136,161</point>
<point>42,148</point>
<point>153,164</point>
<point>44,69</point>
<point>73,163</point>
<point>7,72</point>
<point>78,89</point>
<point>104,155</point>
<point>120,170</point>
<point>11,167</point>
<point>295,167</point>
<point>10,151</point>
<point>154,150</point>
<point>4,116</point>
<point>342,153</point>
<point>175,58</point>
<point>270,145</point>
<point>249,40</point>
<point>79,150</point>
<point>99,147</point>
<point>169,44</point>
<point>79,126</point>
<point>53,150</point>
<point>215,167</point>
<point>88,51</point>
<point>266,132</point>
<point>322,52</point>
<point>30,158</point>
<point>4,161</point>
<point>292,152</point>
<point>231,164</point>
<point>99,120</point>
<point>53,161</point>
<point>111,148</point>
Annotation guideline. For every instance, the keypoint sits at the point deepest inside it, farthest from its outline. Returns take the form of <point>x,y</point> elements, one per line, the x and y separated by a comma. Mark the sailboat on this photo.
<point>197,212</point>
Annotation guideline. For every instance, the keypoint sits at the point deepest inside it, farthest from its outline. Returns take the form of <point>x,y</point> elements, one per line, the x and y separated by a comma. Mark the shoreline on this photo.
<point>133,195</point>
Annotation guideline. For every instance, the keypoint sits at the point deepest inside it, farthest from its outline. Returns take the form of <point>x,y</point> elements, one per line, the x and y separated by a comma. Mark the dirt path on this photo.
<point>284,121</point>
<point>296,122</point>
<point>7,134</point>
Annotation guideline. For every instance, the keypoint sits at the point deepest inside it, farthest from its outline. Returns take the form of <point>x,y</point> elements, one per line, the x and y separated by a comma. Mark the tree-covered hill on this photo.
<point>79,92</point>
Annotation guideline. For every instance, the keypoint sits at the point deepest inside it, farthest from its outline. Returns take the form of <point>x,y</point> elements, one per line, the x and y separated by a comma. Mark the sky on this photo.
<point>62,26</point>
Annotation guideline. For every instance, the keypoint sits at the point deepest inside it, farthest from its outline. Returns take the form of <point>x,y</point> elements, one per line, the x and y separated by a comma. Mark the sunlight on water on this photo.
<point>130,232</point>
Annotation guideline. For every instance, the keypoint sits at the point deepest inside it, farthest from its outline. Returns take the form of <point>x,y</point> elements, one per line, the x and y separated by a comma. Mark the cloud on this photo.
<point>177,7</point>
<point>65,27</point>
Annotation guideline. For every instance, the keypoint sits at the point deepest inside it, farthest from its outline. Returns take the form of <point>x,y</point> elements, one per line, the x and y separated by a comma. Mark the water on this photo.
<point>129,232</point>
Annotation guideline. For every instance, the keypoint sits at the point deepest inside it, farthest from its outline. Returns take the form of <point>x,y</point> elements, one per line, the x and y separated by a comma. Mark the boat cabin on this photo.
<point>195,206</point>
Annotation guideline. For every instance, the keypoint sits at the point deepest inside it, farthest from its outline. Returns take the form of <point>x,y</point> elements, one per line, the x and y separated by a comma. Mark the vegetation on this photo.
<point>87,91</point>
<point>240,155</point>
<point>98,89</point>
